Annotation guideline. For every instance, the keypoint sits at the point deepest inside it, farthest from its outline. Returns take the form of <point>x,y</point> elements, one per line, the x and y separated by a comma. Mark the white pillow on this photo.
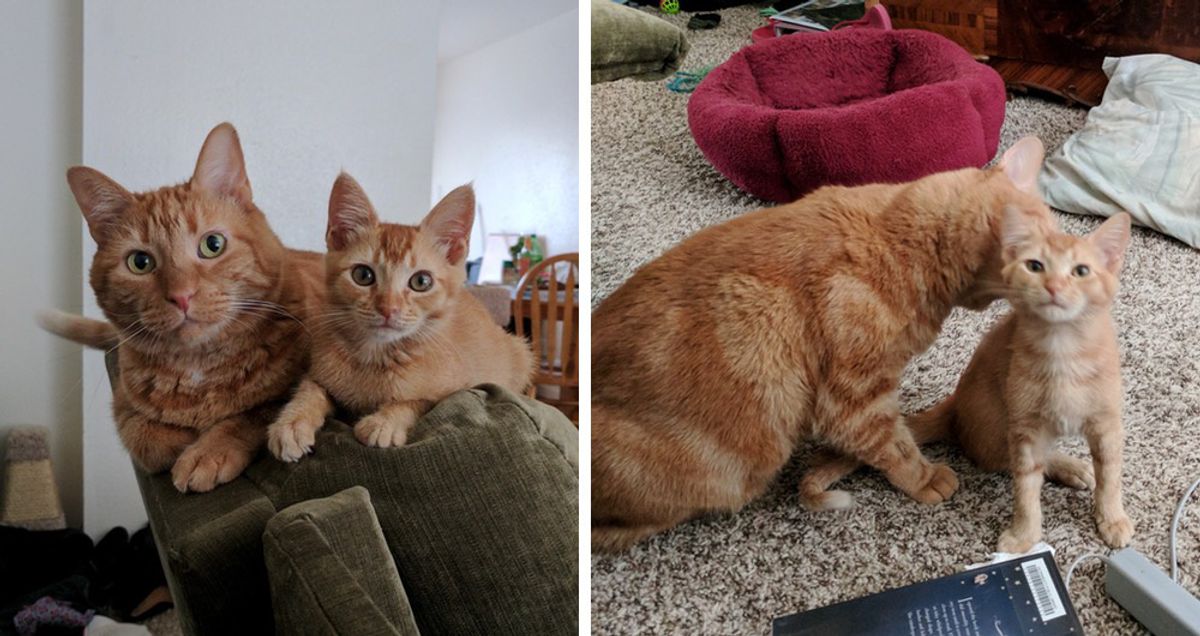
<point>1139,150</point>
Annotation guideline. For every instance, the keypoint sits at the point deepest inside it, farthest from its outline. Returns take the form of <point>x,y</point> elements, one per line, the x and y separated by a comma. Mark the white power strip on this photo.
<point>1146,592</point>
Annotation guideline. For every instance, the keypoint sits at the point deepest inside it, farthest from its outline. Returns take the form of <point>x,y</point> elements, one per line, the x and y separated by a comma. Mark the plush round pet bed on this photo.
<point>785,116</point>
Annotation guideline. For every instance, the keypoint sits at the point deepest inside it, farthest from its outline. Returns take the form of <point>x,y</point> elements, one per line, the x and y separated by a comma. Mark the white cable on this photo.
<point>1076,562</point>
<point>1175,528</point>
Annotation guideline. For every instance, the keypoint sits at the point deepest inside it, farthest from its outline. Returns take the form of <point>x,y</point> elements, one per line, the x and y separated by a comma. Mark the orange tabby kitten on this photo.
<point>204,302</point>
<point>713,361</point>
<point>1048,369</point>
<point>399,331</point>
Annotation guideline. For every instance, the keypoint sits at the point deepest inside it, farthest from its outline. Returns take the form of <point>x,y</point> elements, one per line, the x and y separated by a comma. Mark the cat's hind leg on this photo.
<point>1071,472</point>
<point>827,469</point>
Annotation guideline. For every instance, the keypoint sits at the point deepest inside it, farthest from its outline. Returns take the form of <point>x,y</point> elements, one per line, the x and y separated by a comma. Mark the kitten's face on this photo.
<point>1058,277</point>
<point>389,282</point>
<point>178,265</point>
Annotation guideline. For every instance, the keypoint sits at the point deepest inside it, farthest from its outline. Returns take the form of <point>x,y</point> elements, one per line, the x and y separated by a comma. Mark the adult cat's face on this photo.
<point>1058,277</point>
<point>178,265</point>
<point>389,282</point>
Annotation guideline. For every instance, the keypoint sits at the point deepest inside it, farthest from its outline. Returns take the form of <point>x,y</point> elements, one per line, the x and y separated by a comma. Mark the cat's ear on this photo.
<point>1022,162</point>
<point>101,199</point>
<point>1018,228</point>
<point>450,221</point>
<point>351,214</point>
<point>221,168</point>
<point>1111,239</point>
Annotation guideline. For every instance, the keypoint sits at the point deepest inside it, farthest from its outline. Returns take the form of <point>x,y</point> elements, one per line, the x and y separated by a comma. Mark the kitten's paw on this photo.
<point>292,439</point>
<point>204,466</point>
<point>827,500</point>
<point>382,431</point>
<point>1116,531</point>
<point>941,484</point>
<point>1015,541</point>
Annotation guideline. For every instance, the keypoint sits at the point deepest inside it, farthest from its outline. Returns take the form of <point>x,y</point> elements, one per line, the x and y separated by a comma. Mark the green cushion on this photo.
<point>331,572</point>
<point>627,42</point>
<point>478,510</point>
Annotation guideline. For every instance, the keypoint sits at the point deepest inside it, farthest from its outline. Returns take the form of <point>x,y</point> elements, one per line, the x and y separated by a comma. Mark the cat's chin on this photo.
<point>192,333</point>
<point>388,335</point>
<point>1057,313</point>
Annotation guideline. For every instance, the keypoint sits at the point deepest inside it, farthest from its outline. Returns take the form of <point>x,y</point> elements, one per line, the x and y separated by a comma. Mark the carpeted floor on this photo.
<point>732,574</point>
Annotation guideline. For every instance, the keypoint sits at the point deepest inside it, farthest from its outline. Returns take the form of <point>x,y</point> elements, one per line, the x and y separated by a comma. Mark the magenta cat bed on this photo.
<point>787,115</point>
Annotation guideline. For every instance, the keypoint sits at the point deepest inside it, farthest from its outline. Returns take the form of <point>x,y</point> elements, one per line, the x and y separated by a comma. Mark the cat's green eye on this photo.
<point>421,281</point>
<point>1034,266</point>
<point>140,262</point>
<point>1082,270</point>
<point>363,275</point>
<point>212,245</point>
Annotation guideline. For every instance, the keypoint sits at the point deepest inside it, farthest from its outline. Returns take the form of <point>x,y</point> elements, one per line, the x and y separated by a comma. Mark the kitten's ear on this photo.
<point>1022,162</point>
<point>450,223</point>
<point>1018,228</point>
<point>1111,238</point>
<point>351,214</point>
<point>221,169</point>
<point>101,199</point>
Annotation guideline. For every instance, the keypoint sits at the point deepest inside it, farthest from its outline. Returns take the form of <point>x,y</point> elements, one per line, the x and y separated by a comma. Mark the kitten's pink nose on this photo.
<point>1054,286</point>
<point>182,300</point>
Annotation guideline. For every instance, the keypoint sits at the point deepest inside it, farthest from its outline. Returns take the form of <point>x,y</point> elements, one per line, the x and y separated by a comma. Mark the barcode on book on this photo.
<point>1049,605</point>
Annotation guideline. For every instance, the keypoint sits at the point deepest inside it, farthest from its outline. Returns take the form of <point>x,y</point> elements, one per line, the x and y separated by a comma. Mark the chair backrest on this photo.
<point>555,350</point>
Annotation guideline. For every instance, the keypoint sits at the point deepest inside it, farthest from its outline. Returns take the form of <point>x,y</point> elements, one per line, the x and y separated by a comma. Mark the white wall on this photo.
<point>39,261</point>
<point>311,86</point>
<point>508,119</point>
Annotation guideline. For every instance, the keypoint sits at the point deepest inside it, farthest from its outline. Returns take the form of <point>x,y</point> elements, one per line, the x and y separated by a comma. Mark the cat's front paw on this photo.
<point>290,439</point>
<point>1116,531</point>
<point>382,431</point>
<point>208,464</point>
<point>1016,541</point>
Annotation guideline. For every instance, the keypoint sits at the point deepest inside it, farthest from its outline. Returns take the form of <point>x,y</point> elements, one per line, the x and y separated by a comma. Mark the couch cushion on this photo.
<point>627,42</point>
<point>331,572</point>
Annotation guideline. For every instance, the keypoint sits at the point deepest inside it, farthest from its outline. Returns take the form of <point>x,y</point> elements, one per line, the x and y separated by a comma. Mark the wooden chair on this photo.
<point>553,331</point>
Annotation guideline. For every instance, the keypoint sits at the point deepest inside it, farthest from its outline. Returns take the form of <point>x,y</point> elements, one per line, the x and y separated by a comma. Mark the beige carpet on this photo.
<point>733,574</point>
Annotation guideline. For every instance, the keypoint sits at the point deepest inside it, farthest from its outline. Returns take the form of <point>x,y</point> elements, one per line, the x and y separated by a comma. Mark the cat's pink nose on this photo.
<point>182,300</point>
<point>1054,287</point>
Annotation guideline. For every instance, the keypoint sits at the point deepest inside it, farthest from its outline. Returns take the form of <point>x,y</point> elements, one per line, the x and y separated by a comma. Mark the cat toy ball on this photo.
<point>670,7</point>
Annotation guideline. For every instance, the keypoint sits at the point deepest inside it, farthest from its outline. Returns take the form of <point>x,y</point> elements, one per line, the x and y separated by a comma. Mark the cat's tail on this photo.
<point>97,334</point>
<point>933,424</point>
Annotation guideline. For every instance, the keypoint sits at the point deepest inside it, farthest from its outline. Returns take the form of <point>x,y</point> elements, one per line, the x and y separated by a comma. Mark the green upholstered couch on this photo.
<point>470,528</point>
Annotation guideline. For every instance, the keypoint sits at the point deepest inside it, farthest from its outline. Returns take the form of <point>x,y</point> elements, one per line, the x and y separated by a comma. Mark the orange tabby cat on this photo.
<point>204,303</point>
<point>1048,369</point>
<point>713,361</point>
<point>399,331</point>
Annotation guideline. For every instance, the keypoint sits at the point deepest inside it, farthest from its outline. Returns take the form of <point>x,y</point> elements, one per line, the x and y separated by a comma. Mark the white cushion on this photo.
<point>1139,150</point>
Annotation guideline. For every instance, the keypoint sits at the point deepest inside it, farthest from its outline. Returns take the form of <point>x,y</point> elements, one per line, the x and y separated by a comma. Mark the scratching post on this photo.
<point>30,495</point>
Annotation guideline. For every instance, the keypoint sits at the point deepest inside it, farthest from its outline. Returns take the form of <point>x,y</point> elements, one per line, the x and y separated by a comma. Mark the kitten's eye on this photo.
<point>140,263</point>
<point>1034,266</point>
<point>1082,270</point>
<point>421,281</point>
<point>363,275</point>
<point>212,245</point>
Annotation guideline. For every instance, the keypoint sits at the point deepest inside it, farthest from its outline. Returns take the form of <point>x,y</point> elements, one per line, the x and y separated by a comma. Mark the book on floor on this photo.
<point>1024,596</point>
